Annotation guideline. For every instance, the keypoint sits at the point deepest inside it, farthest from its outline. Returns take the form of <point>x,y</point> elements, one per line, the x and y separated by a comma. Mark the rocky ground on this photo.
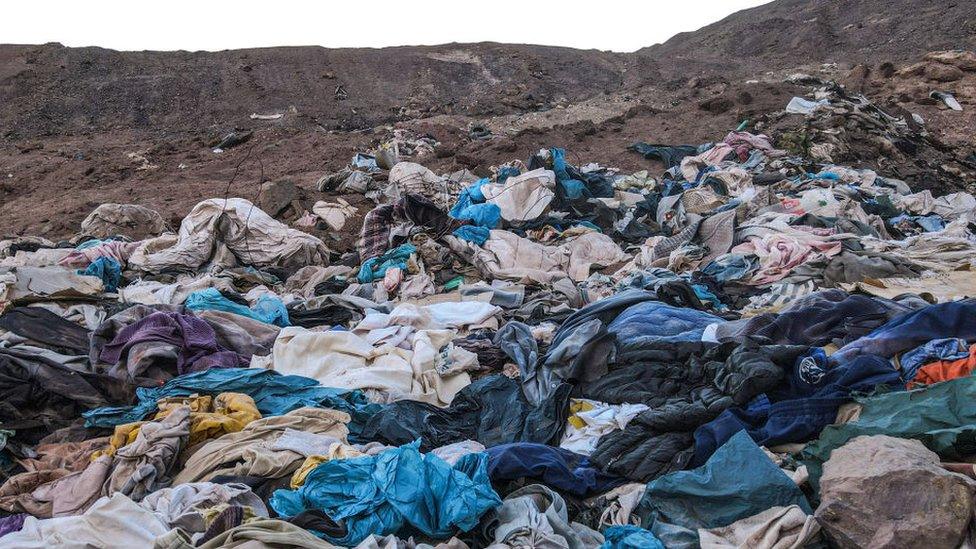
<point>80,127</point>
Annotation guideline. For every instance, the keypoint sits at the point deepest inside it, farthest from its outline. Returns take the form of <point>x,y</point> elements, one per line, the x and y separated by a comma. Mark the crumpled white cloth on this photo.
<point>599,420</point>
<point>775,528</point>
<point>112,521</point>
<point>229,231</point>
<point>183,505</point>
<point>421,371</point>
<point>522,197</point>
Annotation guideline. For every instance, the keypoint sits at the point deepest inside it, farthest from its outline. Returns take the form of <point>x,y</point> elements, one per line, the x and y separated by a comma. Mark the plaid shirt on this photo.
<point>375,236</point>
<point>412,209</point>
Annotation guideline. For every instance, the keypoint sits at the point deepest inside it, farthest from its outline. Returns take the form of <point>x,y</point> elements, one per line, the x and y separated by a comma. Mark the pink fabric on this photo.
<point>744,142</point>
<point>780,253</point>
<point>116,249</point>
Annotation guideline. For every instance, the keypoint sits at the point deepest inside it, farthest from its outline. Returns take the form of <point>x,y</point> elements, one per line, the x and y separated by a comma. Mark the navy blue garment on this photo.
<point>555,467</point>
<point>799,410</point>
<point>669,155</point>
<point>953,319</point>
<point>829,316</point>
<point>653,322</point>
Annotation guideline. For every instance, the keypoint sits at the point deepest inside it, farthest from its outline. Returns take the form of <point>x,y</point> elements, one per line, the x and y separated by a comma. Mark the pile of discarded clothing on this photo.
<point>748,347</point>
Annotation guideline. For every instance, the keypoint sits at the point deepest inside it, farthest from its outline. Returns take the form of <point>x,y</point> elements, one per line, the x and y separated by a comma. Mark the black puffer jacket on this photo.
<point>682,396</point>
<point>38,395</point>
<point>492,411</point>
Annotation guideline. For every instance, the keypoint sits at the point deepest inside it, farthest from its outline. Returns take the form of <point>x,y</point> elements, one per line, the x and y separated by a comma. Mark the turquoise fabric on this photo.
<point>630,537</point>
<point>273,393</point>
<point>738,481</point>
<point>471,233</point>
<point>268,309</point>
<point>398,490</point>
<point>375,268</point>
<point>107,269</point>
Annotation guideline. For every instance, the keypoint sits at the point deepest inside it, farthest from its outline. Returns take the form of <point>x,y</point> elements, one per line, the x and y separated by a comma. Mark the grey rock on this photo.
<point>275,196</point>
<point>881,491</point>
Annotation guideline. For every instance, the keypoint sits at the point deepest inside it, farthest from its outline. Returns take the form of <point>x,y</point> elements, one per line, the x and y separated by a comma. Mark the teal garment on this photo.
<point>471,206</point>
<point>738,481</point>
<point>468,196</point>
<point>572,188</point>
<point>941,416</point>
<point>630,537</point>
<point>375,268</point>
<point>268,309</point>
<point>476,235</point>
<point>107,269</point>
<point>505,172</point>
<point>273,393</point>
<point>90,244</point>
<point>483,215</point>
<point>396,491</point>
<point>707,297</point>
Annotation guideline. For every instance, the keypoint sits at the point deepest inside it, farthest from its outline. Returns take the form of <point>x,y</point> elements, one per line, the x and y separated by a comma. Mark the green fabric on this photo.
<point>738,481</point>
<point>453,283</point>
<point>941,416</point>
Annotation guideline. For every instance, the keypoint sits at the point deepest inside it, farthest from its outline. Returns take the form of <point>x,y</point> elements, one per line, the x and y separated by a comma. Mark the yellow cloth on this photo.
<point>211,513</point>
<point>209,418</point>
<point>575,407</point>
<point>124,435</point>
<point>336,451</point>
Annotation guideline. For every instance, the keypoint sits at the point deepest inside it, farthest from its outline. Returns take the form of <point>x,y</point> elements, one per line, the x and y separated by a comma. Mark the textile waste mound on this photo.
<point>753,348</point>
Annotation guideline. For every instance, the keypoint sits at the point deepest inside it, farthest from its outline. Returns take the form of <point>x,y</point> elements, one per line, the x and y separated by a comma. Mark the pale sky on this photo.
<point>618,25</point>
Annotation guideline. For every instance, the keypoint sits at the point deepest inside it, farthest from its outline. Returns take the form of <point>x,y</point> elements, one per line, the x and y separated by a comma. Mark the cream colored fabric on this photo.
<point>946,250</point>
<point>940,287</point>
<point>508,256</point>
<point>152,292</point>
<point>775,528</point>
<point>412,178</point>
<point>347,360</point>
<point>335,213</point>
<point>217,226</point>
<point>920,203</point>
<point>341,359</point>
<point>131,220</point>
<point>22,285</point>
<point>622,501</point>
<point>44,257</point>
<point>250,452</point>
<point>304,281</point>
<point>691,165</point>
<point>262,533</point>
<point>522,197</point>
